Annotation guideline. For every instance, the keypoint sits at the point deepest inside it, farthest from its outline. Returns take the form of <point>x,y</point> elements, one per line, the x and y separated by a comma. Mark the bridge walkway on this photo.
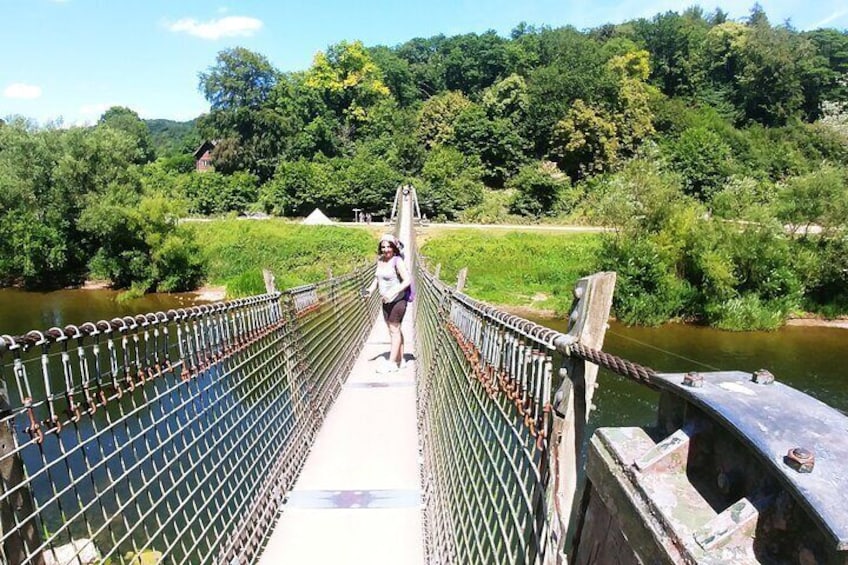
<point>358,498</point>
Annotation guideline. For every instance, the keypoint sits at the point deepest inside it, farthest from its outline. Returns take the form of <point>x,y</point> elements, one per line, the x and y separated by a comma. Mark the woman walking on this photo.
<point>392,279</point>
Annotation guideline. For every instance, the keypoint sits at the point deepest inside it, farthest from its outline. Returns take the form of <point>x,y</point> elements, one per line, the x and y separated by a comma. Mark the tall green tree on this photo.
<point>495,141</point>
<point>349,80</point>
<point>474,62</point>
<point>127,121</point>
<point>674,42</point>
<point>238,88</point>
<point>438,115</point>
<point>239,79</point>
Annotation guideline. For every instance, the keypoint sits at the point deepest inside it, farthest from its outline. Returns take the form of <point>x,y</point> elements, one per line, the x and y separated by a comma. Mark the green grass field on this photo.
<point>514,268</point>
<point>238,250</point>
<point>506,267</point>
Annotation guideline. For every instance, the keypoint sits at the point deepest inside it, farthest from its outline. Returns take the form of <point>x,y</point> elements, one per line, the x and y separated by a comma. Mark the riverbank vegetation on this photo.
<point>715,150</point>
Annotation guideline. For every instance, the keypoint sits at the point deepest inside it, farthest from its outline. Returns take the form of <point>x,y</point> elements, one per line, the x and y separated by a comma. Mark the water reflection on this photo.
<point>21,311</point>
<point>807,358</point>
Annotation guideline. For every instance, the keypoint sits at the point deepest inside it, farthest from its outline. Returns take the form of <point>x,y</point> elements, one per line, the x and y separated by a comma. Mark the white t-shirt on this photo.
<point>388,279</point>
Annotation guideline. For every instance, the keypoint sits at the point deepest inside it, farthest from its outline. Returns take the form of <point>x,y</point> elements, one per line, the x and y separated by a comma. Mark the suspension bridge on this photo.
<point>257,431</point>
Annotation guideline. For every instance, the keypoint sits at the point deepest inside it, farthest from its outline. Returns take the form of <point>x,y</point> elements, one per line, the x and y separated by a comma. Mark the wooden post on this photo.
<point>573,400</point>
<point>460,279</point>
<point>270,281</point>
<point>438,271</point>
<point>27,537</point>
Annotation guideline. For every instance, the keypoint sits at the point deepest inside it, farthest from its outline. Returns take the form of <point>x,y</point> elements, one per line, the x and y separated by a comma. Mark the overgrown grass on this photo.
<point>534,270</point>
<point>238,250</point>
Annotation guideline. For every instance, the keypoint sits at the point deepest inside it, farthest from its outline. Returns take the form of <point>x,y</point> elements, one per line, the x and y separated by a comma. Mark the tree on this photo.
<point>507,99</point>
<point>306,126</point>
<point>540,189</point>
<point>348,79</point>
<point>297,188</point>
<point>397,75</point>
<point>674,42</point>
<point>239,89</point>
<point>239,79</point>
<point>211,192</point>
<point>127,121</point>
<point>771,75</point>
<point>576,71</point>
<point>819,198</point>
<point>631,109</point>
<point>585,141</point>
<point>426,63</point>
<point>140,244</point>
<point>438,115</point>
<point>473,62</point>
<point>823,75</point>
<point>704,160</point>
<point>450,182</point>
<point>496,142</point>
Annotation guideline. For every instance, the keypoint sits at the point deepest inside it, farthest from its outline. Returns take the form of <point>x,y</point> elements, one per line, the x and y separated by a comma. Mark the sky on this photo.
<point>69,60</point>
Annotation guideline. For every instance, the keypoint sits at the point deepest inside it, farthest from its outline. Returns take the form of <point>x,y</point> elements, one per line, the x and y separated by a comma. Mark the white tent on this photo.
<point>317,217</point>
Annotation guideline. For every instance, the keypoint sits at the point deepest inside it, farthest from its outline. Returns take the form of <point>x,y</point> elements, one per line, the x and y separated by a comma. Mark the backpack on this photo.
<point>409,294</point>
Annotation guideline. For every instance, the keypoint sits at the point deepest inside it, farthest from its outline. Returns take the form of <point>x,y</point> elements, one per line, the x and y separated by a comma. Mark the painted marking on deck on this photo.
<point>366,499</point>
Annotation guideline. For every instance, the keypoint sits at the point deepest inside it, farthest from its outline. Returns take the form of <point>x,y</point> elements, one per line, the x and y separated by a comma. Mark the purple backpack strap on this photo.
<point>409,294</point>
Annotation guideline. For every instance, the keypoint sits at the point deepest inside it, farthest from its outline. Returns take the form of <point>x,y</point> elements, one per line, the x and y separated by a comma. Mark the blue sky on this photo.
<point>72,59</point>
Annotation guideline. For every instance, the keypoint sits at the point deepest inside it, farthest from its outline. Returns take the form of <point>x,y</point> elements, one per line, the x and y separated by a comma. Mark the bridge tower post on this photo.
<point>573,400</point>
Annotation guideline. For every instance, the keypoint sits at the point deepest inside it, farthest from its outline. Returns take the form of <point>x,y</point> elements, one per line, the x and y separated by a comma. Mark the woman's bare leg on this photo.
<point>396,338</point>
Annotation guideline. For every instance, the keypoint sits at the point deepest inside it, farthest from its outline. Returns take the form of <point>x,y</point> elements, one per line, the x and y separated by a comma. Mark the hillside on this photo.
<point>171,137</point>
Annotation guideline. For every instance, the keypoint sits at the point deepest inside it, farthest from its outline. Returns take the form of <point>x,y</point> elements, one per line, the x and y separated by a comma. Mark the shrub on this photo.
<point>648,291</point>
<point>451,182</point>
<point>747,312</point>
<point>703,158</point>
<point>541,190</point>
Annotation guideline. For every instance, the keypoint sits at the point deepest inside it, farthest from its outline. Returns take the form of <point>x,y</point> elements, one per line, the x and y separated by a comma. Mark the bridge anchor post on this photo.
<point>573,401</point>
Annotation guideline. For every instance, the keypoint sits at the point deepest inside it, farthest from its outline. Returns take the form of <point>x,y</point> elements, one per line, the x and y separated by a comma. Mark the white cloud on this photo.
<point>229,26</point>
<point>22,91</point>
<point>833,17</point>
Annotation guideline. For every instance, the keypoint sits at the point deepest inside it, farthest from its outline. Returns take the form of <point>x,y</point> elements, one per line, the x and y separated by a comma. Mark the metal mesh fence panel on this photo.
<point>484,403</point>
<point>172,435</point>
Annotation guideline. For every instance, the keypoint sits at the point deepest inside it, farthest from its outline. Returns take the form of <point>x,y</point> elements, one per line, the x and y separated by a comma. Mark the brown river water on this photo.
<point>812,359</point>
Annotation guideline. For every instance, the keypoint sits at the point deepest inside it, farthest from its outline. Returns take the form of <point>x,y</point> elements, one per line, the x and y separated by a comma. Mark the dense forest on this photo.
<point>716,149</point>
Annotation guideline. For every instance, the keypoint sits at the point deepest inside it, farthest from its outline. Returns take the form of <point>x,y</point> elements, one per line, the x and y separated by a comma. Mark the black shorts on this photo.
<point>393,311</point>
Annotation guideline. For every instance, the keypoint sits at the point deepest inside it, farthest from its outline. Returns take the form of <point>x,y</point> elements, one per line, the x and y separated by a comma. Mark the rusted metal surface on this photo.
<point>772,421</point>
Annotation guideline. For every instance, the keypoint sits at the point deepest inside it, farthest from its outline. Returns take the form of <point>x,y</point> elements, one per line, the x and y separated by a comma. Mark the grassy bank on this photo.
<point>526,270</point>
<point>238,250</point>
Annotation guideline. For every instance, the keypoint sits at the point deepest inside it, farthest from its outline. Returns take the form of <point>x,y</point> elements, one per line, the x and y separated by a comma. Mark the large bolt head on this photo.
<point>801,459</point>
<point>763,377</point>
<point>694,380</point>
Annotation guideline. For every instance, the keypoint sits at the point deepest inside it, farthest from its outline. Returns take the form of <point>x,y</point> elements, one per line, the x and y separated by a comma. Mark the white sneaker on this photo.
<point>386,367</point>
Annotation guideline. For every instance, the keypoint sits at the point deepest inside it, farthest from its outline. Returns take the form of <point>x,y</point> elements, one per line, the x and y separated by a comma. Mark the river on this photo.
<point>807,358</point>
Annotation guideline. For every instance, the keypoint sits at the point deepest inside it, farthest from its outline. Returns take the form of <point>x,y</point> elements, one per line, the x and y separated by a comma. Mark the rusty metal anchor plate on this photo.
<point>771,419</point>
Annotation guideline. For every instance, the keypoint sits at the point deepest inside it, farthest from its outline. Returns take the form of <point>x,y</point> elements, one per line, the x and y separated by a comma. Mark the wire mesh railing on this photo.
<point>485,391</point>
<point>169,436</point>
